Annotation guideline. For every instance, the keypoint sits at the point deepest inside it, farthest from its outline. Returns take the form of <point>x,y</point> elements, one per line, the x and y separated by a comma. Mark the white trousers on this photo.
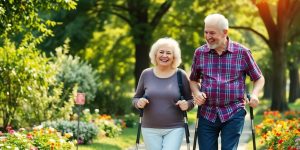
<point>163,139</point>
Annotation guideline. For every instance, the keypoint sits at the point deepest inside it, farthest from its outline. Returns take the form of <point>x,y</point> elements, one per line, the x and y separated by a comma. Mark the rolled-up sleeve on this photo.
<point>195,69</point>
<point>252,68</point>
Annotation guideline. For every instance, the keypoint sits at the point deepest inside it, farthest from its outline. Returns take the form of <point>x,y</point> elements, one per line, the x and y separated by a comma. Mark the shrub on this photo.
<point>108,126</point>
<point>87,131</point>
<point>29,93</point>
<point>73,71</point>
<point>130,120</point>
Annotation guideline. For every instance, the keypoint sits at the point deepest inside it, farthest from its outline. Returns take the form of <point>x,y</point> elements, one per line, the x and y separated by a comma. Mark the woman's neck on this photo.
<point>164,72</point>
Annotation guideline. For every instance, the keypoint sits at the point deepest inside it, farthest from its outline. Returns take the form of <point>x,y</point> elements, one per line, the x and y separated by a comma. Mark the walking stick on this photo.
<point>252,125</point>
<point>186,126</point>
<point>196,130</point>
<point>139,128</point>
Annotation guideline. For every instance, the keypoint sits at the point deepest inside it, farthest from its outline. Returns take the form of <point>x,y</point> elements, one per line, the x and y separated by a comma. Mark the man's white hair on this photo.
<point>217,20</point>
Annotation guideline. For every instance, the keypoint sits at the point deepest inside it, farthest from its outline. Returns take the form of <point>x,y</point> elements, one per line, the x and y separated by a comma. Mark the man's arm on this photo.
<point>199,97</point>
<point>257,87</point>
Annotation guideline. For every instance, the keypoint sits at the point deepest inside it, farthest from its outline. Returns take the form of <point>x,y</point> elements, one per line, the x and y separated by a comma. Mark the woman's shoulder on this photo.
<point>182,71</point>
<point>147,71</point>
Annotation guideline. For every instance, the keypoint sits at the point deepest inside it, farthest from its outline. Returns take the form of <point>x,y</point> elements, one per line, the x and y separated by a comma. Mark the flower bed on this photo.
<point>280,131</point>
<point>38,138</point>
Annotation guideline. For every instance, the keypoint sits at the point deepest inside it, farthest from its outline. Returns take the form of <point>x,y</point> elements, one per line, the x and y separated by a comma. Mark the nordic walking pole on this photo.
<point>252,125</point>
<point>186,127</point>
<point>139,128</point>
<point>196,130</point>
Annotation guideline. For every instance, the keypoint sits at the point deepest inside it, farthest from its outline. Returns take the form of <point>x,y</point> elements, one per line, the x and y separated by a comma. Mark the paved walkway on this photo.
<point>246,135</point>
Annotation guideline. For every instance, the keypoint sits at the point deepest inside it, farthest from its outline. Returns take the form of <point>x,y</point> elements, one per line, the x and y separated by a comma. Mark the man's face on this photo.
<point>215,38</point>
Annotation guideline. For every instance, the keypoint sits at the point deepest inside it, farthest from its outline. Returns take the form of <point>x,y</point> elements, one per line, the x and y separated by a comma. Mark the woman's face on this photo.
<point>164,55</point>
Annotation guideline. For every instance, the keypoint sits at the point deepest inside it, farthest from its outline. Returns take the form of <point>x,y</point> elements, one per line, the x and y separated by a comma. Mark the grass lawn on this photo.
<point>126,139</point>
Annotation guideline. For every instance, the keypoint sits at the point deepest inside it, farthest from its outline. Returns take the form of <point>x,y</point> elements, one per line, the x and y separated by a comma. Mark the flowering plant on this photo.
<point>39,138</point>
<point>280,131</point>
<point>107,126</point>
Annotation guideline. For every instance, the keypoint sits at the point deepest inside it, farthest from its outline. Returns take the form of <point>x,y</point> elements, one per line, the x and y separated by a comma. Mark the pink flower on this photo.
<point>11,131</point>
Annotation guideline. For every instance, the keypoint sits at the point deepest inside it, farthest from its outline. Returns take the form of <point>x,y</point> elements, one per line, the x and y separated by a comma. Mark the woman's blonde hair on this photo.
<point>170,42</point>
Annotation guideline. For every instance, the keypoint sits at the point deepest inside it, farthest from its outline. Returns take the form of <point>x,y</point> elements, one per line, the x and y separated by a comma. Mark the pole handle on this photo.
<point>251,109</point>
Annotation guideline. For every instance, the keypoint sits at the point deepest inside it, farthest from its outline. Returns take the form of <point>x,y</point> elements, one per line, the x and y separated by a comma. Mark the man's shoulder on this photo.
<point>202,48</point>
<point>237,47</point>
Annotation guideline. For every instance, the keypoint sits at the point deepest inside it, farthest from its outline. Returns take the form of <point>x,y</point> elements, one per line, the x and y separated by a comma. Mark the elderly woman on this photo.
<point>158,94</point>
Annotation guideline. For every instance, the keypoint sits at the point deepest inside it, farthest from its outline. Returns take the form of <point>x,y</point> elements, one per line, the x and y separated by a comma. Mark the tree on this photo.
<point>142,24</point>
<point>77,25</point>
<point>293,67</point>
<point>19,16</point>
<point>279,27</point>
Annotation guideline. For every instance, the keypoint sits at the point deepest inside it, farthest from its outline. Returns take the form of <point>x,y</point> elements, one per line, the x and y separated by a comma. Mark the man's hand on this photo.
<point>254,101</point>
<point>199,98</point>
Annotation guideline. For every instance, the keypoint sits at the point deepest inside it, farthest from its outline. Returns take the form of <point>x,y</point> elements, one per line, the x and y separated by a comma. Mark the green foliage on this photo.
<point>78,25</point>
<point>111,53</point>
<point>130,120</point>
<point>17,16</point>
<point>29,92</point>
<point>87,131</point>
<point>74,72</point>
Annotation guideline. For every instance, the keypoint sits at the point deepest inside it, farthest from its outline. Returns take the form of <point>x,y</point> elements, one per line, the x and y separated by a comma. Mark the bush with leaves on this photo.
<point>29,91</point>
<point>87,131</point>
<point>75,72</point>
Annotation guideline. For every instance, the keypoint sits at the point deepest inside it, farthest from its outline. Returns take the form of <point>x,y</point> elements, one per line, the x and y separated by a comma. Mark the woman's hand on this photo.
<point>183,105</point>
<point>200,98</point>
<point>142,102</point>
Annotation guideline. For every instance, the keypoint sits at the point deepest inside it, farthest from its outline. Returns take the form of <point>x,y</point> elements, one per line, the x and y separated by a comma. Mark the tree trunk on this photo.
<point>294,83</point>
<point>279,80</point>
<point>141,58</point>
<point>268,85</point>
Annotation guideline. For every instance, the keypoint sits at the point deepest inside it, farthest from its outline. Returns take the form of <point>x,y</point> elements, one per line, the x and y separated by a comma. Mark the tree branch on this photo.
<point>252,30</point>
<point>120,16</point>
<point>266,16</point>
<point>160,13</point>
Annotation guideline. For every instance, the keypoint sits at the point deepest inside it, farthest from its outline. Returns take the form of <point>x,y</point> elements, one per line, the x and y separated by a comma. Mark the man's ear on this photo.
<point>225,31</point>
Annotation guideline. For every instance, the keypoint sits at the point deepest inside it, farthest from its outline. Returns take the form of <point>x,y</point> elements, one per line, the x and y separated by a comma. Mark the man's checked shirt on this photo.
<point>223,79</point>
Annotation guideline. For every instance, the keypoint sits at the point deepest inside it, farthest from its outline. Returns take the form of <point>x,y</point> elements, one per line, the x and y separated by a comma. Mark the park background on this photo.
<point>50,50</point>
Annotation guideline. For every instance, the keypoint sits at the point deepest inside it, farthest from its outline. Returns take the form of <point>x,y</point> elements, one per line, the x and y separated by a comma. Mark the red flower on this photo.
<point>280,141</point>
<point>29,136</point>
<point>278,134</point>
